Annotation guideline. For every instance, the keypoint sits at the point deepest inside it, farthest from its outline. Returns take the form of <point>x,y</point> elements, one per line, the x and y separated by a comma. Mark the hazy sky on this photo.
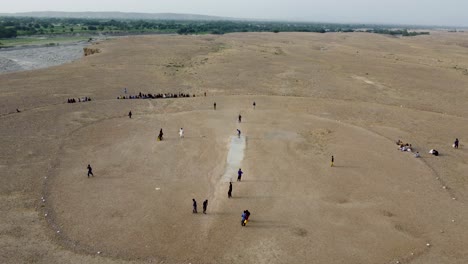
<point>424,12</point>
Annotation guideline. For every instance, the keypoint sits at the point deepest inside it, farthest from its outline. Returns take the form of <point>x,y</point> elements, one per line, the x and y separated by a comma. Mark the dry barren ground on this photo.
<point>317,95</point>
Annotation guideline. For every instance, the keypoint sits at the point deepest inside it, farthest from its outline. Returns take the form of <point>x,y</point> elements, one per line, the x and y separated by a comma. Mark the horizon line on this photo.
<point>243,18</point>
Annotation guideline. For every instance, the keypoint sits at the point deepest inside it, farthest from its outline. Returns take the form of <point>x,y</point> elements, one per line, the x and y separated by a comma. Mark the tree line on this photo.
<point>11,27</point>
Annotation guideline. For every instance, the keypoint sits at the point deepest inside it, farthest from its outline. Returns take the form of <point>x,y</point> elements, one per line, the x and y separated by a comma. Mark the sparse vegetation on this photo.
<point>402,32</point>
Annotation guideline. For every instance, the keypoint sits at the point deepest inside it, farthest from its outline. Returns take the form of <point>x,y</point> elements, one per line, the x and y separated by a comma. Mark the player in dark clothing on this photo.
<point>90,171</point>
<point>214,106</point>
<point>239,174</point>
<point>160,136</point>
<point>205,205</point>
<point>194,206</point>
<point>245,217</point>
<point>254,104</point>
<point>240,118</point>
<point>130,114</point>
<point>230,190</point>
<point>332,161</point>
<point>455,144</point>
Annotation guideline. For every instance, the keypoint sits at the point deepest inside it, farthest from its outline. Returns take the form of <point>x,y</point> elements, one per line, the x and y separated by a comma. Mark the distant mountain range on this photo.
<point>118,15</point>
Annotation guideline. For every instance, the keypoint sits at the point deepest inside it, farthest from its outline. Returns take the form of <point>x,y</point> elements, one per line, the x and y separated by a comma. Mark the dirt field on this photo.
<point>347,95</point>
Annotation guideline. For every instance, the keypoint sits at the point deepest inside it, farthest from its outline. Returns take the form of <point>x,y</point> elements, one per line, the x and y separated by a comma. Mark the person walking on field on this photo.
<point>238,133</point>
<point>181,133</point>
<point>90,170</point>
<point>205,205</point>
<point>332,161</point>
<point>194,206</point>
<point>214,106</point>
<point>239,174</point>
<point>230,190</point>
<point>254,104</point>
<point>455,144</point>
<point>240,118</point>
<point>130,114</point>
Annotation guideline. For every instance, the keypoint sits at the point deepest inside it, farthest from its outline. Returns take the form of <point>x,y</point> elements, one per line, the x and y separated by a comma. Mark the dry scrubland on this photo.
<point>350,95</point>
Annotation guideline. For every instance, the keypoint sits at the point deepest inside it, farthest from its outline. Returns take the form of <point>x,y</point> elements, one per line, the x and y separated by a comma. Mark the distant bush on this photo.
<point>8,32</point>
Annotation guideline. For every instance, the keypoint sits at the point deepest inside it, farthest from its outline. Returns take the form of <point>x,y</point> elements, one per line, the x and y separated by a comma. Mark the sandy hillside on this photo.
<point>347,95</point>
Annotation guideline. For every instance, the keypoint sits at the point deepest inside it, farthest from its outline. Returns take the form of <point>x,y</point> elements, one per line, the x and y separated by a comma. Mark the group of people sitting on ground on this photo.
<point>404,147</point>
<point>407,147</point>
<point>154,96</point>
<point>73,100</point>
